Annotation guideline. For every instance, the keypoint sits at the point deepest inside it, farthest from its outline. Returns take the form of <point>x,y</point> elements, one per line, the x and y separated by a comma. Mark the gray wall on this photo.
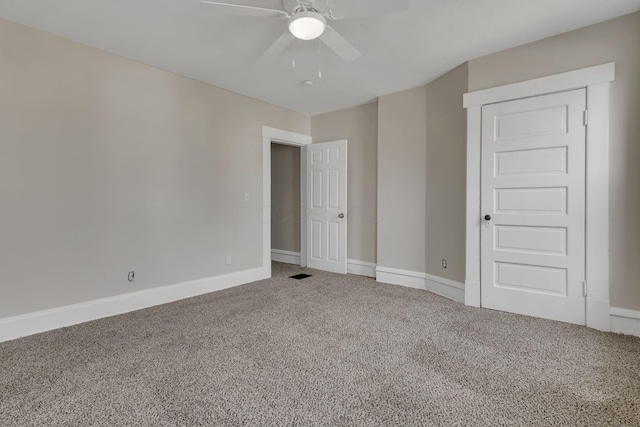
<point>285,197</point>
<point>109,165</point>
<point>422,177</point>
<point>446,174</point>
<point>616,40</point>
<point>402,134</point>
<point>359,125</point>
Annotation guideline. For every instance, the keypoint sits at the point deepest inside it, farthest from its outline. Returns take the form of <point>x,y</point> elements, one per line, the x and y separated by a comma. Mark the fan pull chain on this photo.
<point>293,53</point>
<point>319,67</point>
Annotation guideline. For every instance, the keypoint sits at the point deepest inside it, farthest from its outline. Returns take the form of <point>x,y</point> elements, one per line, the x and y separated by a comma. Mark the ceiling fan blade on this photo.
<point>249,7</point>
<point>339,45</point>
<point>276,48</point>
<point>367,8</point>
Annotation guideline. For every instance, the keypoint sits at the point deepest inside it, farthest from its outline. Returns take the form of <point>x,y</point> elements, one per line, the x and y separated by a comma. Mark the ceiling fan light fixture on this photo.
<point>307,25</point>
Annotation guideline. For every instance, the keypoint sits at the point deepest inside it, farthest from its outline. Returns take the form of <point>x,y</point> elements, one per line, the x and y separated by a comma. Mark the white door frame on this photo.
<point>596,81</point>
<point>284,137</point>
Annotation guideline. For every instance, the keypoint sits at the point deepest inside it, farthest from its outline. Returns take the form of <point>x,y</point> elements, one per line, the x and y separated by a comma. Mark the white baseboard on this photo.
<point>394,276</point>
<point>46,320</point>
<point>445,287</point>
<point>361,268</point>
<point>285,256</point>
<point>625,321</point>
<point>438,285</point>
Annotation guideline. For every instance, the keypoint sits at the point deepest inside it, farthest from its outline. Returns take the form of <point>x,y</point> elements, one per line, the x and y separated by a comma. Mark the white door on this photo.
<point>327,206</point>
<point>533,206</point>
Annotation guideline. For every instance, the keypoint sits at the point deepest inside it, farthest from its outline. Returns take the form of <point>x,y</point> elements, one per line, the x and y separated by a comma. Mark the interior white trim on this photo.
<point>413,279</point>
<point>625,312</point>
<point>597,220</point>
<point>472,246</point>
<point>285,137</point>
<point>625,321</point>
<point>445,287</point>
<point>472,293</point>
<point>354,266</point>
<point>59,317</point>
<point>280,136</point>
<point>596,81</point>
<point>287,257</point>
<point>556,83</point>
<point>394,276</point>
<point>361,268</point>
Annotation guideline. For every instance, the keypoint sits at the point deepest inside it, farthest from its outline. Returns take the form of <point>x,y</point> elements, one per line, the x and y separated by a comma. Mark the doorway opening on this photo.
<point>323,187</point>
<point>281,137</point>
<point>287,199</point>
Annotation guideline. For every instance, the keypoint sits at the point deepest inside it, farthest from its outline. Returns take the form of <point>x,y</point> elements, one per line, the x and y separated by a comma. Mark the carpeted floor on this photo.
<point>326,350</point>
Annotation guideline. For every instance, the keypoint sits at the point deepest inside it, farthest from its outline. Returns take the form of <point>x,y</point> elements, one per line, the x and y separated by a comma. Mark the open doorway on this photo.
<point>286,203</point>
<point>323,231</point>
<point>272,135</point>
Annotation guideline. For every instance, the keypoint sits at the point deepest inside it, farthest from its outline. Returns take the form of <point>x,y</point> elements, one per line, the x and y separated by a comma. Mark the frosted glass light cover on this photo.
<point>307,25</point>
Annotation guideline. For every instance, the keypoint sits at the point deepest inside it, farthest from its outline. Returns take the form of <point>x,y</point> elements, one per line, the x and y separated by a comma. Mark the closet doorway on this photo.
<point>287,196</point>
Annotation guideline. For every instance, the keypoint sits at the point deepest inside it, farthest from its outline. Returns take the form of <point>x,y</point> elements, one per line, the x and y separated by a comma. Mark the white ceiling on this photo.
<point>399,51</point>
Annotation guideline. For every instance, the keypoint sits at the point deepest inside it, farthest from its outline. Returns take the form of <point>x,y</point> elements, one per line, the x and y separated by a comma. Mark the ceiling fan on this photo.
<point>308,19</point>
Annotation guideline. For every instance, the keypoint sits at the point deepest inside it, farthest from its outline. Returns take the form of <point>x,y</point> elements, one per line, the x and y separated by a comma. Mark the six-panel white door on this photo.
<point>327,206</point>
<point>533,206</point>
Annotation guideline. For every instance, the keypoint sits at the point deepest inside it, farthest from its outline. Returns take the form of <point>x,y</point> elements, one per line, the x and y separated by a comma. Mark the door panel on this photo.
<point>530,200</point>
<point>334,189</point>
<point>315,239</point>
<point>327,201</point>
<point>316,189</point>
<point>534,122</point>
<point>333,236</point>
<point>531,278</point>
<point>531,240</point>
<point>532,162</point>
<point>533,189</point>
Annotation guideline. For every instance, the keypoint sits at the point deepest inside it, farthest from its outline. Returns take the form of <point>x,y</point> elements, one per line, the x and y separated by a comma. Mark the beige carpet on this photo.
<point>327,350</point>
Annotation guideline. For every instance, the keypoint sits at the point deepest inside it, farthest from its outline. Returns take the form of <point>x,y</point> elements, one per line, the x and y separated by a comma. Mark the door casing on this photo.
<point>284,137</point>
<point>596,82</point>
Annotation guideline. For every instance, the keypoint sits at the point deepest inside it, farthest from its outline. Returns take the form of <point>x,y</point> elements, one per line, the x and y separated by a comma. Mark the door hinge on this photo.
<point>584,288</point>
<point>585,117</point>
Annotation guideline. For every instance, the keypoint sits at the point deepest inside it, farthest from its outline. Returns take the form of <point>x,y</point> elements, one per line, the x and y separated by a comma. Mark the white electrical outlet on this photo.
<point>229,259</point>
<point>444,263</point>
<point>247,197</point>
